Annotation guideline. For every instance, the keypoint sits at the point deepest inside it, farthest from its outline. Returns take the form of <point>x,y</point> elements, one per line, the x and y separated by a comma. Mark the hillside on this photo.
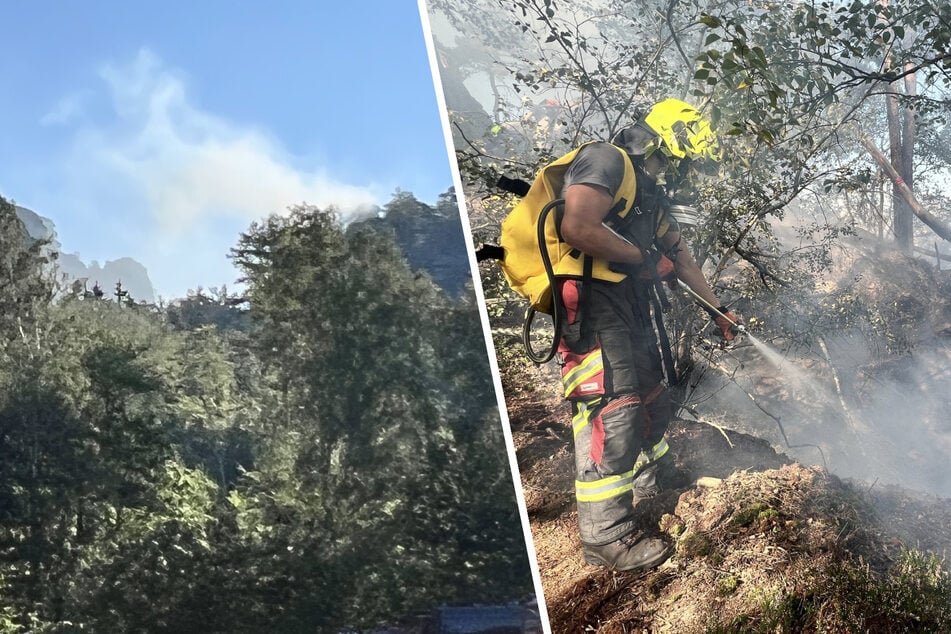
<point>763,543</point>
<point>431,238</point>
<point>131,273</point>
<point>813,490</point>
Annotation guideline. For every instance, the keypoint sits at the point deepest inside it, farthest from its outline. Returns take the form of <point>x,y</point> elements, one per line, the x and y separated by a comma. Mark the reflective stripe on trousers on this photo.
<point>653,454</point>
<point>612,376</point>
<point>604,460</point>
<point>585,377</point>
<point>608,459</point>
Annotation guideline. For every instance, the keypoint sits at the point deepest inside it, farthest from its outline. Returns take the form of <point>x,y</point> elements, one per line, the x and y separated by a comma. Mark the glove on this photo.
<point>727,329</point>
<point>665,269</point>
<point>722,319</point>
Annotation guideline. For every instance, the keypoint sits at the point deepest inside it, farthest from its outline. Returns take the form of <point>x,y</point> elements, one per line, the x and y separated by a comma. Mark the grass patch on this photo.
<point>727,585</point>
<point>694,545</point>
<point>913,596</point>
<point>756,512</point>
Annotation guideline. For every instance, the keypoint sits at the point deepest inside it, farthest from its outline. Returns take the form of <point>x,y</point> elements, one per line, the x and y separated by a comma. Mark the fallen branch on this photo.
<point>720,429</point>
<point>838,384</point>
<point>936,253</point>
<point>943,230</point>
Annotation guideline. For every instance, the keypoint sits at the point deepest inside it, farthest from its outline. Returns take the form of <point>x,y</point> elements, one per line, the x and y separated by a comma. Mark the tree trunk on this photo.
<point>909,131</point>
<point>906,167</point>
<point>923,214</point>
<point>900,147</point>
<point>902,214</point>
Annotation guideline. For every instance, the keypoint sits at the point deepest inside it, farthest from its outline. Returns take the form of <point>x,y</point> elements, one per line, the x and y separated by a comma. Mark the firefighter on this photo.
<point>611,364</point>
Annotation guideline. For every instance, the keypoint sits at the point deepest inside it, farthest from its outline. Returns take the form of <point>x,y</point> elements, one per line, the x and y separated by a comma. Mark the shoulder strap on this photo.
<point>614,218</point>
<point>663,339</point>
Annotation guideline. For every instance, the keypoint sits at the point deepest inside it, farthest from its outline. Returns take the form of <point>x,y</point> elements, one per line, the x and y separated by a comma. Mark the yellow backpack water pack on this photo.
<point>522,264</point>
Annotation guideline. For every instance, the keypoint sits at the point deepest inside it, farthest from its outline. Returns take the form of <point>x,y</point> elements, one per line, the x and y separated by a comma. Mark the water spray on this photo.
<point>772,356</point>
<point>739,327</point>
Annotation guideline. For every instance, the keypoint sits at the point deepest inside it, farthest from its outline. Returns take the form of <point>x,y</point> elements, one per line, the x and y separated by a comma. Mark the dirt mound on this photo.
<point>759,550</point>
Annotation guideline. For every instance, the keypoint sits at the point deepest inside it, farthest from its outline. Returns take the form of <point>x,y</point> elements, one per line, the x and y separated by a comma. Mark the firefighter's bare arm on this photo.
<point>687,268</point>
<point>586,207</point>
<point>688,271</point>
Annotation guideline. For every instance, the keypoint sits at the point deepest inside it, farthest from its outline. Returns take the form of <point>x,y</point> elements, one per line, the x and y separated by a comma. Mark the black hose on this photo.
<point>556,302</point>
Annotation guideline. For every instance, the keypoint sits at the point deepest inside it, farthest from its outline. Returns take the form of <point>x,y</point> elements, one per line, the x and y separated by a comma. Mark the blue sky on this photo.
<point>160,130</point>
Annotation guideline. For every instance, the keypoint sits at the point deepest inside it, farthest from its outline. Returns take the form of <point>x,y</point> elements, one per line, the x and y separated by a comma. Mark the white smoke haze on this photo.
<point>885,430</point>
<point>882,418</point>
<point>149,174</point>
<point>66,110</point>
<point>191,165</point>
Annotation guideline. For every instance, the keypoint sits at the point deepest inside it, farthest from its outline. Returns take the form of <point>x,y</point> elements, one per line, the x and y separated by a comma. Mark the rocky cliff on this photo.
<point>132,274</point>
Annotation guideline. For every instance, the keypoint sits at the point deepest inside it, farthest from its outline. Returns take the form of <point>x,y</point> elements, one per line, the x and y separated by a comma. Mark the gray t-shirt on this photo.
<point>596,164</point>
<point>601,164</point>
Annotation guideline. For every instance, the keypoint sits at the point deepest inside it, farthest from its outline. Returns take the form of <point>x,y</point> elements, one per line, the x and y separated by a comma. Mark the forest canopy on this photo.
<point>324,450</point>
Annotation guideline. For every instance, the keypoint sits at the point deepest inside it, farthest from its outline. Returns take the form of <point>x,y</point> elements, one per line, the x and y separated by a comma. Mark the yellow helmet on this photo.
<point>684,133</point>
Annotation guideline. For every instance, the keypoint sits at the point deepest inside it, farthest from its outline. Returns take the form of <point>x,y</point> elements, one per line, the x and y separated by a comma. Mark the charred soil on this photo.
<point>762,543</point>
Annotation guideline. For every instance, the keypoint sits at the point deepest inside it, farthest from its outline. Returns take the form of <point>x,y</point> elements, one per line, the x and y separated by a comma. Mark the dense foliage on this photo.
<point>325,453</point>
<point>800,92</point>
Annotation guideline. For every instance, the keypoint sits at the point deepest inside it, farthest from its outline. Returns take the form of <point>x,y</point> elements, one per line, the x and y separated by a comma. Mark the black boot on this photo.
<point>628,553</point>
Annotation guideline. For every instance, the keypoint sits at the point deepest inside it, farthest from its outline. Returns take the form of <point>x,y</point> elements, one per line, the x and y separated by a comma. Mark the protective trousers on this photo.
<point>612,374</point>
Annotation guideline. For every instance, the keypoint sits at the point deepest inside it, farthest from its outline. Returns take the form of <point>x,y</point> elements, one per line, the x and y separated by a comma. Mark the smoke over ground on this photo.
<point>869,395</point>
<point>887,426</point>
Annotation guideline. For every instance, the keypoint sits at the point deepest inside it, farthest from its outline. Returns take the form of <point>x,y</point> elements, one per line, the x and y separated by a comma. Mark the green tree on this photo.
<point>108,513</point>
<point>325,450</point>
<point>380,440</point>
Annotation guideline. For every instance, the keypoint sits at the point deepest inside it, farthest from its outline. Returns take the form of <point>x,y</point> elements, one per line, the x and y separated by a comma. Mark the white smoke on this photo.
<point>844,401</point>
<point>190,164</point>
<point>149,174</point>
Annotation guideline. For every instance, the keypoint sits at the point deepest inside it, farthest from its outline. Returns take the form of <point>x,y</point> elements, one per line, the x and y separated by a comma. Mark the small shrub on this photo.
<point>749,514</point>
<point>918,590</point>
<point>728,585</point>
<point>694,545</point>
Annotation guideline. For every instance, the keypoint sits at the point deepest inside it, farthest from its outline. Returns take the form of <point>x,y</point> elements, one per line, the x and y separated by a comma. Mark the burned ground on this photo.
<point>762,543</point>
<point>814,493</point>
